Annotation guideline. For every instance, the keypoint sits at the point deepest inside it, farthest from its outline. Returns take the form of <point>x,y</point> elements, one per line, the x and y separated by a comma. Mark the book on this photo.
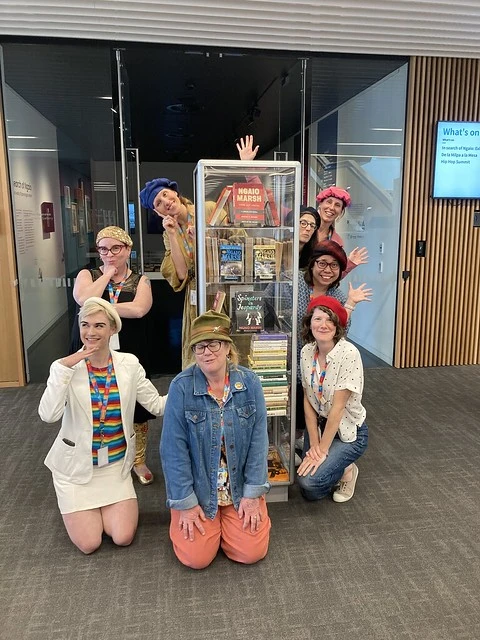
<point>220,213</point>
<point>273,217</point>
<point>218,301</point>
<point>249,311</point>
<point>249,242</point>
<point>266,364</point>
<point>248,203</point>
<point>277,472</point>
<point>264,262</point>
<point>230,262</point>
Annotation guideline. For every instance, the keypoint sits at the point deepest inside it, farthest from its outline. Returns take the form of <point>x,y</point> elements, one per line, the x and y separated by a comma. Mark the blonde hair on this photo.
<point>94,305</point>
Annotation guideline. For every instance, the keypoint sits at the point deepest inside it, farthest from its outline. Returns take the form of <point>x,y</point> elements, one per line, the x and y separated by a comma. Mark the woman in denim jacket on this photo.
<point>213,449</point>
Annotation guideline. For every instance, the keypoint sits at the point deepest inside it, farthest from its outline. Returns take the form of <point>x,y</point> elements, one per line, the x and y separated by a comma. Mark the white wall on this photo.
<point>35,179</point>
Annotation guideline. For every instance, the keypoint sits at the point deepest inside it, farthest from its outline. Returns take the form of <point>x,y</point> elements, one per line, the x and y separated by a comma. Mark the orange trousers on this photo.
<point>224,531</point>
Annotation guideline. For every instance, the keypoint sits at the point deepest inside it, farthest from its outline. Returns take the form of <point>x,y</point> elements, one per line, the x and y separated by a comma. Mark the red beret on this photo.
<point>335,192</point>
<point>330,303</point>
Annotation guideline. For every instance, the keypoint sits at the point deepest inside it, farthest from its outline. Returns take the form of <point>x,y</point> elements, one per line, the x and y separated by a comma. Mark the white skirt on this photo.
<point>105,487</point>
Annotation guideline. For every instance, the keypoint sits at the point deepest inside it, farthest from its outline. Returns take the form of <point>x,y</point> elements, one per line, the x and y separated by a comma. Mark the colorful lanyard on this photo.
<point>319,391</point>
<point>102,403</point>
<point>113,296</point>
<point>183,234</point>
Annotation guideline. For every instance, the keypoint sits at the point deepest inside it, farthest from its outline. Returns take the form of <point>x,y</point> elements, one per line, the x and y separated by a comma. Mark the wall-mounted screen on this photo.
<point>456,170</point>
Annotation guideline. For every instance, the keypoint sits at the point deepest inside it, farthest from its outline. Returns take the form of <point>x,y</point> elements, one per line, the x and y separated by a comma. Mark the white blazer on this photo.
<point>67,396</point>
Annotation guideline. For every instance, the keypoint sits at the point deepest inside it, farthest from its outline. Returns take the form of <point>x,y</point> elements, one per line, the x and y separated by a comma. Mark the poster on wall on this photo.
<point>82,234</point>
<point>66,194</point>
<point>73,217</point>
<point>48,220</point>
<point>88,215</point>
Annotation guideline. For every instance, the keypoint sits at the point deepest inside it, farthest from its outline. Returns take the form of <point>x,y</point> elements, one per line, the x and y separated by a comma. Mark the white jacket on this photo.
<point>67,396</point>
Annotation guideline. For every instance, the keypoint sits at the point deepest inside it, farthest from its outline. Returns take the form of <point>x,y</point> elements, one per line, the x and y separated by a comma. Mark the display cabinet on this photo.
<point>246,230</point>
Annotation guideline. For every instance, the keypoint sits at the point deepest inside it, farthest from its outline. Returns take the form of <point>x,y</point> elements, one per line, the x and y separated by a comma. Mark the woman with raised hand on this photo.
<point>131,294</point>
<point>332,378</point>
<point>332,203</point>
<point>94,391</point>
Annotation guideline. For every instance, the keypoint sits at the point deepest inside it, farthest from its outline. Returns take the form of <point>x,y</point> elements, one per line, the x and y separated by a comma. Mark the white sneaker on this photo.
<point>345,489</point>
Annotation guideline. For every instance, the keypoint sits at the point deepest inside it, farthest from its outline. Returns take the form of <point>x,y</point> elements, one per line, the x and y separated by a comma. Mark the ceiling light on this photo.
<point>104,97</point>
<point>23,137</point>
<point>384,129</point>
<point>33,150</point>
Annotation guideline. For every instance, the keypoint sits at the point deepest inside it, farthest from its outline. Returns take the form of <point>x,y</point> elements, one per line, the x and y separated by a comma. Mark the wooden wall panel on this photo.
<point>12,369</point>
<point>438,306</point>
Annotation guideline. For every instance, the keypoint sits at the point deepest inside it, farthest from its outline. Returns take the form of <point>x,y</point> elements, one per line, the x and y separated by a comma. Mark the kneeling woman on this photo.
<point>94,392</point>
<point>214,448</point>
<point>332,378</point>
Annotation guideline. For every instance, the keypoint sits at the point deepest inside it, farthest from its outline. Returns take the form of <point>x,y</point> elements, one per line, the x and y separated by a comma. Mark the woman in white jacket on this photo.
<point>94,392</point>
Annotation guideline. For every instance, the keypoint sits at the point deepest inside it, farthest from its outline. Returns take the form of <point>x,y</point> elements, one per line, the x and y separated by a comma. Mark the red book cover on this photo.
<point>248,200</point>
<point>48,220</point>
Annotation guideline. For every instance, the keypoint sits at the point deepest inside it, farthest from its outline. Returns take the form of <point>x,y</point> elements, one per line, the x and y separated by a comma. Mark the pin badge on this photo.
<point>238,385</point>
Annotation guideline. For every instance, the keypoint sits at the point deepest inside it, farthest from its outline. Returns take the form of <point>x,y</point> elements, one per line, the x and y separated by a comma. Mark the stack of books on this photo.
<point>268,358</point>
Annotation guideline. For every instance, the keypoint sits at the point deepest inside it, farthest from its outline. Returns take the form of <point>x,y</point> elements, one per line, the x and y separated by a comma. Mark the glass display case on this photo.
<point>247,266</point>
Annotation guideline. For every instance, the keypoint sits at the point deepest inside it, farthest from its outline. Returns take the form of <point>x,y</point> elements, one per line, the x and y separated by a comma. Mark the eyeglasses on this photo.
<point>323,265</point>
<point>307,225</point>
<point>213,346</point>
<point>115,250</point>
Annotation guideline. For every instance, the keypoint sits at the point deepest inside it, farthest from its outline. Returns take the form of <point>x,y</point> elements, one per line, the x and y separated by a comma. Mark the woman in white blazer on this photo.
<point>94,392</point>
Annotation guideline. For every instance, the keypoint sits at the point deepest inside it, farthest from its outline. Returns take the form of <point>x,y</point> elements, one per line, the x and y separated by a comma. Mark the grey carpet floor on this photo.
<point>401,560</point>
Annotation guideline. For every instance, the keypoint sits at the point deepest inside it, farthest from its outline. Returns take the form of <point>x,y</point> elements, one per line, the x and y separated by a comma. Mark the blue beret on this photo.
<point>150,190</point>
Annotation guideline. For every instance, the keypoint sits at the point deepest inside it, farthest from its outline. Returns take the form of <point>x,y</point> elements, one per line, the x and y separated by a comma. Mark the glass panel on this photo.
<point>247,267</point>
<point>59,122</point>
<point>359,147</point>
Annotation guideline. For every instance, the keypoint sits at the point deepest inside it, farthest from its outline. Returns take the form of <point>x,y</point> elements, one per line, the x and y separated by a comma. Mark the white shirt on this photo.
<point>344,371</point>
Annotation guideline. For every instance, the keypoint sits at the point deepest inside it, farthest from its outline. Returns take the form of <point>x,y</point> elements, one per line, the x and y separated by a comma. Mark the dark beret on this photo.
<point>150,190</point>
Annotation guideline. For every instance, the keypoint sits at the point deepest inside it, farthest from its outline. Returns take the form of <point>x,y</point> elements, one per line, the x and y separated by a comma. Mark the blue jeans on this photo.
<point>328,474</point>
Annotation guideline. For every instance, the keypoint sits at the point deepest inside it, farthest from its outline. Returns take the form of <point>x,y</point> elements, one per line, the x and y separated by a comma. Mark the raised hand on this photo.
<point>246,151</point>
<point>358,256</point>
<point>249,510</point>
<point>189,519</point>
<point>170,224</point>
<point>360,294</point>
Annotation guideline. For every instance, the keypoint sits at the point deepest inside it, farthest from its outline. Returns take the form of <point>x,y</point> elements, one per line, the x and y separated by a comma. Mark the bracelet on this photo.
<point>349,307</point>
<point>325,453</point>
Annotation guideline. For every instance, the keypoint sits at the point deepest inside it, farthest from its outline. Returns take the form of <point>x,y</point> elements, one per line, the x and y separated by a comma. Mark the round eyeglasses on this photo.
<point>115,250</point>
<point>308,225</point>
<point>213,346</point>
<point>323,265</point>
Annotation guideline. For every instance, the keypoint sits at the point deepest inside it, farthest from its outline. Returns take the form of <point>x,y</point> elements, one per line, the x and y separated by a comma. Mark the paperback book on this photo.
<point>264,261</point>
<point>249,311</point>
<point>231,262</point>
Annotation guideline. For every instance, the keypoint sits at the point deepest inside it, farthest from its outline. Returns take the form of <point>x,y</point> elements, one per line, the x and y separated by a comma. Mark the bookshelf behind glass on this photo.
<point>246,266</point>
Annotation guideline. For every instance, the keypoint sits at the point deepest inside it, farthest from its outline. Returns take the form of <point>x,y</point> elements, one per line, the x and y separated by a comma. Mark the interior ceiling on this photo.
<point>183,105</point>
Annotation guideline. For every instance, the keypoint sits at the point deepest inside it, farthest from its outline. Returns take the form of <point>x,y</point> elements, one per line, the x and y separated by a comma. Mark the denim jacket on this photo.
<point>190,445</point>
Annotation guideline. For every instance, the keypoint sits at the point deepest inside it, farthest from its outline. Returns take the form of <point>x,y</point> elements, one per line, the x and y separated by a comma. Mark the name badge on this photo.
<point>102,456</point>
